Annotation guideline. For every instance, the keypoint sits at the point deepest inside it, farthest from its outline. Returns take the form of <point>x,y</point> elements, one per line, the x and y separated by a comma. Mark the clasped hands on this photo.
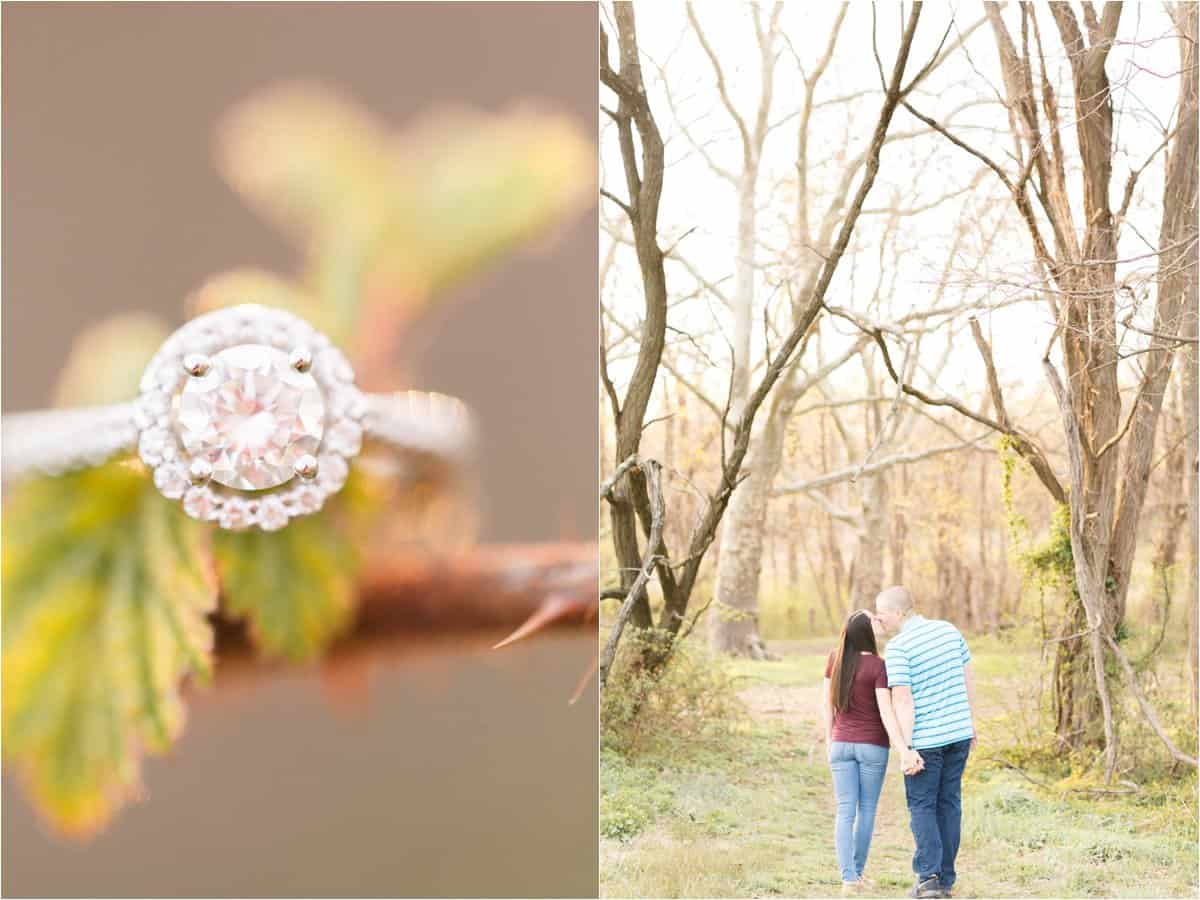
<point>911,762</point>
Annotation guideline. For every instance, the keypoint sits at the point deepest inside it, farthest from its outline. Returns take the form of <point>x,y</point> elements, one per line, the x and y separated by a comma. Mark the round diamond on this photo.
<point>251,416</point>
<point>171,480</point>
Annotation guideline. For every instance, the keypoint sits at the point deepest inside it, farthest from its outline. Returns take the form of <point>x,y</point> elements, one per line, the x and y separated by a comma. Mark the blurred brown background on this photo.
<point>112,202</point>
<point>464,772</point>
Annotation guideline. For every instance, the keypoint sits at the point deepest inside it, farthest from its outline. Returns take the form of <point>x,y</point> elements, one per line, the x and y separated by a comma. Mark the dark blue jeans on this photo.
<point>935,810</point>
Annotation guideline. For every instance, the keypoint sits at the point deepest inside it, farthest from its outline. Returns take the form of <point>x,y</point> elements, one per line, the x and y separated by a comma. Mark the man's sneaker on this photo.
<point>927,887</point>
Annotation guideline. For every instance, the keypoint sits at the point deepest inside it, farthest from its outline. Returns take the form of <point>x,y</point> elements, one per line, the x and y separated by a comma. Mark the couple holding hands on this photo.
<point>917,698</point>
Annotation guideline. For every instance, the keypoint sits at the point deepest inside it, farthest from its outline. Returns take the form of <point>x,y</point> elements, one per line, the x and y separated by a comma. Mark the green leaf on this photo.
<point>389,220</point>
<point>106,593</point>
<point>295,586</point>
<point>256,286</point>
<point>302,156</point>
<point>107,360</point>
<point>477,186</point>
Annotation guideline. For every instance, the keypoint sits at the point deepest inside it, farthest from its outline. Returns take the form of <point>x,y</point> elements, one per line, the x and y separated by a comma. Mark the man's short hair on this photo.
<point>894,598</point>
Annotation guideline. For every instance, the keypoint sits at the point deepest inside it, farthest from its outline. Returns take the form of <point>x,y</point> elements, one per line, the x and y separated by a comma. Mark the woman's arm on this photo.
<point>909,759</point>
<point>887,712</point>
<point>827,712</point>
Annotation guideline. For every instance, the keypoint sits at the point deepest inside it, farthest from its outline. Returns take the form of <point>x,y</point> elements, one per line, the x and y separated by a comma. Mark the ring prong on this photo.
<point>306,466</point>
<point>301,359</point>
<point>200,471</point>
<point>196,364</point>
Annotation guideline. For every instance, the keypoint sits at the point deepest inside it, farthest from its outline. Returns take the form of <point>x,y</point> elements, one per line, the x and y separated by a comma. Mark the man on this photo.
<point>929,673</point>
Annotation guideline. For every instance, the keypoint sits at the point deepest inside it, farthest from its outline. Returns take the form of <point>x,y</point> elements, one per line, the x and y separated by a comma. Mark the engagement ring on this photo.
<point>249,416</point>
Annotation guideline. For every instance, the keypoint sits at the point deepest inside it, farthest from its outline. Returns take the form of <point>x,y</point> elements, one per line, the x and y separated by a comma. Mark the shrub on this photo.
<point>688,701</point>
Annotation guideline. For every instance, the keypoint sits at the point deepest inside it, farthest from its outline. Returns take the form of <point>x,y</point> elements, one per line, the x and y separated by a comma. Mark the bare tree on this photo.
<point>734,629</point>
<point>1109,460</point>
<point>628,497</point>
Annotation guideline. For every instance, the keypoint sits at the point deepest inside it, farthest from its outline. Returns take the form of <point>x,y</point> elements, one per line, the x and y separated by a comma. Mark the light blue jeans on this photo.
<point>858,771</point>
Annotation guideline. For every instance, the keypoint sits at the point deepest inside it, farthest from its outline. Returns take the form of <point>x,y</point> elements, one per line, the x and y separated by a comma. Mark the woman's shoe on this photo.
<point>849,888</point>
<point>868,883</point>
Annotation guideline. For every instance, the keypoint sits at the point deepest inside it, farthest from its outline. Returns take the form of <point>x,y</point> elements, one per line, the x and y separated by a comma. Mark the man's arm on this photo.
<point>969,678</point>
<point>902,701</point>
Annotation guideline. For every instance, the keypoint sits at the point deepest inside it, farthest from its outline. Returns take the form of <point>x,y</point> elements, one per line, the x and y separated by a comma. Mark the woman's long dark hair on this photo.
<point>857,635</point>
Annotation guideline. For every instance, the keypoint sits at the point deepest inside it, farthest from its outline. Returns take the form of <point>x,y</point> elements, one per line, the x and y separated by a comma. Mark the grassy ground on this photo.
<point>751,815</point>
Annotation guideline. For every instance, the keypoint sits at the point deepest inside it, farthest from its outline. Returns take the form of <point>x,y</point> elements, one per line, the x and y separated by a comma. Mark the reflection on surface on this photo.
<point>427,769</point>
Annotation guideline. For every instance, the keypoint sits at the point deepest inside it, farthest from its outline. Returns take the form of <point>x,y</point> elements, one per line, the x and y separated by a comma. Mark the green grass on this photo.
<point>802,663</point>
<point>752,817</point>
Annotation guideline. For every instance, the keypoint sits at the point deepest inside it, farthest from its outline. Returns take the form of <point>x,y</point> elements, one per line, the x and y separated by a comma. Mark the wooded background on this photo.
<point>900,296</point>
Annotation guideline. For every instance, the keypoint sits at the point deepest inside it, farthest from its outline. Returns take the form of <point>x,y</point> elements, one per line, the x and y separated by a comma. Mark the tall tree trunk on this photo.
<point>985,580</point>
<point>734,627</point>
<point>1191,426</point>
<point>1076,704</point>
<point>1191,402</point>
<point>1177,272</point>
<point>871,547</point>
<point>643,171</point>
<point>745,273</point>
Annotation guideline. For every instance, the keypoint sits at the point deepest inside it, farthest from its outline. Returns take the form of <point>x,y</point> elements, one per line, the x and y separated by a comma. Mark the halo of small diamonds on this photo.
<point>200,341</point>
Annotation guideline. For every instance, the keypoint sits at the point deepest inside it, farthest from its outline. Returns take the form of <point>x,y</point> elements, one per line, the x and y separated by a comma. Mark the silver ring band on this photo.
<point>249,417</point>
<point>423,428</point>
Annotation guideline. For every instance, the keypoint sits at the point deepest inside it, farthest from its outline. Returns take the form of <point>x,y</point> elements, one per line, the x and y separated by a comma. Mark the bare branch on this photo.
<point>1131,679</point>
<point>990,365</point>
<point>652,471</point>
<point>853,473</point>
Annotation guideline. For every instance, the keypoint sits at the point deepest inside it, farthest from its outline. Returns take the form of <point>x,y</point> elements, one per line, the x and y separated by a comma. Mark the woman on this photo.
<point>860,723</point>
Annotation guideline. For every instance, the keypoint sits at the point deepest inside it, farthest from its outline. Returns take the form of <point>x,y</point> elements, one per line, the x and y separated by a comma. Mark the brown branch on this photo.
<point>606,489</point>
<point>652,471</point>
<point>1147,709</point>
<point>490,586</point>
<point>1158,335</point>
<point>609,388</point>
<point>625,207</point>
<point>722,88</point>
<point>990,365</point>
<point>1018,192</point>
<point>853,472</point>
<point>1022,443</point>
<point>1116,438</point>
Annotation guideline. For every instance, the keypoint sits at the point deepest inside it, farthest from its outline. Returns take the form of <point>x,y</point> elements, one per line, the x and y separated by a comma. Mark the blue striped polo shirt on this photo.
<point>929,655</point>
